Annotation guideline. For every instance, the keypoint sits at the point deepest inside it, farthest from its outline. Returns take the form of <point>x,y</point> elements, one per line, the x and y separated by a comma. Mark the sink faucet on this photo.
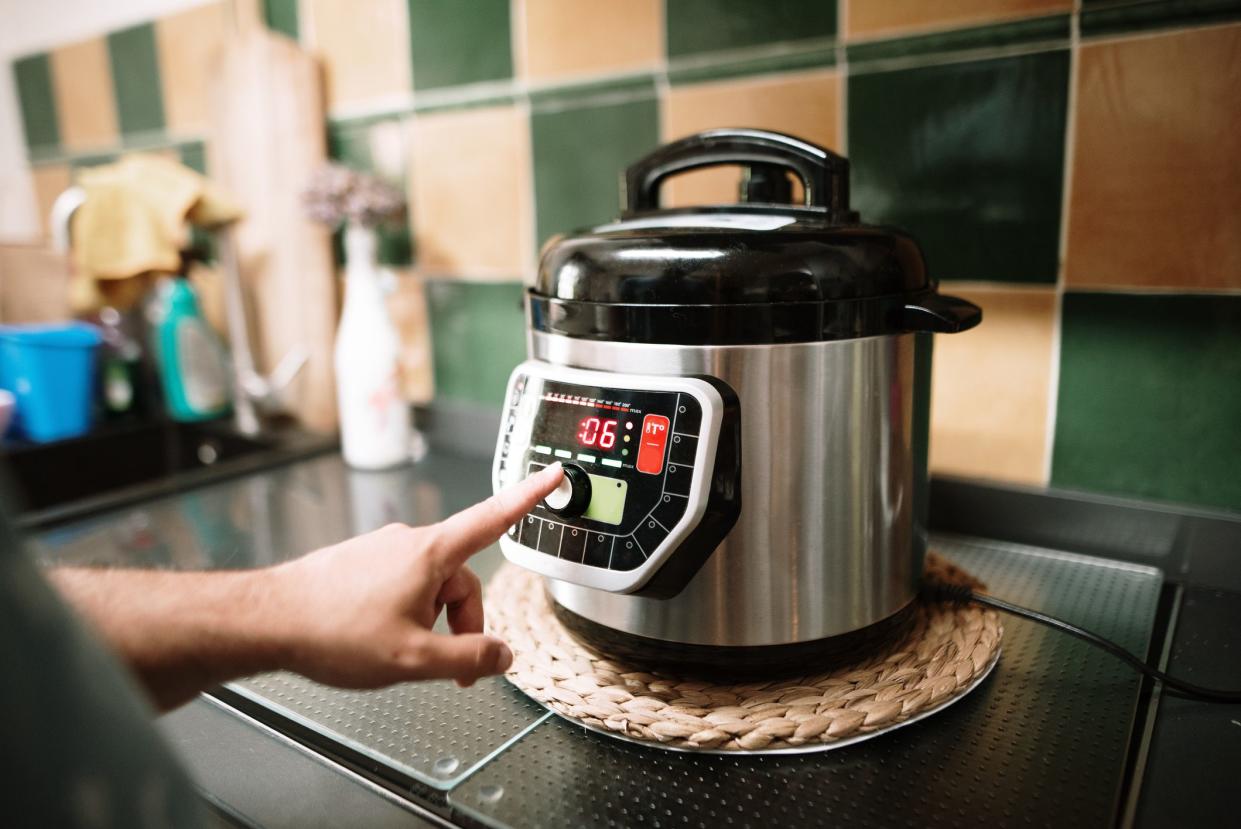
<point>251,391</point>
<point>249,387</point>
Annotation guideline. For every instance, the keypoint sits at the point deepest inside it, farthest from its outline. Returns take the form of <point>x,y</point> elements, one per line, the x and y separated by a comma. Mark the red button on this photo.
<point>654,440</point>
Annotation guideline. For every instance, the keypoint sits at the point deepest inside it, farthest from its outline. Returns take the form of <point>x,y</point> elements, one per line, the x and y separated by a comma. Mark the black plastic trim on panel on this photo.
<point>597,551</point>
<point>752,324</point>
<point>723,505</point>
<point>627,554</point>
<point>573,542</point>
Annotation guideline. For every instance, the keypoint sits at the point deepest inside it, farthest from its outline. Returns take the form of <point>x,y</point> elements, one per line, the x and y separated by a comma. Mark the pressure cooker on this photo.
<point>739,396</point>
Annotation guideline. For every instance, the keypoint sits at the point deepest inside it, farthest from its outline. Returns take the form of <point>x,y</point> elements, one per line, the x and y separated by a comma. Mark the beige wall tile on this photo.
<point>879,18</point>
<point>562,38</point>
<point>34,284</point>
<point>85,100</point>
<point>187,43</point>
<point>247,15</point>
<point>407,305</point>
<point>990,387</point>
<point>50,180</point>
<point>166,153</point>
<point>471,193</point>
<point>802,104</point>
<point>1156,188</point>
<point>364,48</point>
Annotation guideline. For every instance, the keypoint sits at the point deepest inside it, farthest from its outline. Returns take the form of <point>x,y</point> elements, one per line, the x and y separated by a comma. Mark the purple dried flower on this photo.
<point>337,194</point>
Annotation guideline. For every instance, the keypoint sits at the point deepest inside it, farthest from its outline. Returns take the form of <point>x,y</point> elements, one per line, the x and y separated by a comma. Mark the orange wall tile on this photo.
<point>879,18</point>
<point>1156,187</point>
<point>804,104</point>
<point>187,43</point>
<point>85,101</point>
<point>470,192</point>
<point>560,38</point>
<point>990,387</point>
<point>364,48</point>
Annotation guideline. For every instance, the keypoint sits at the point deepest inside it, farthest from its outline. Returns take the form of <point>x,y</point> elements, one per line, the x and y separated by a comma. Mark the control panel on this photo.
<point>643,473</point>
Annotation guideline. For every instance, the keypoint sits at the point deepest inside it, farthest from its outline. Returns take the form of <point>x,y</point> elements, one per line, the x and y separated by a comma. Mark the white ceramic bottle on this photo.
<point>374,418</point>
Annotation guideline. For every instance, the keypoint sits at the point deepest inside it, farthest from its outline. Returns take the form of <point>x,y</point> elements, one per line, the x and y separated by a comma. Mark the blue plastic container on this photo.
<point>50,369</point>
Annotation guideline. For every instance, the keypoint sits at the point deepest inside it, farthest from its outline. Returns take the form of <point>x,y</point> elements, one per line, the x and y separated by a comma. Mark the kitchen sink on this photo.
<point>118,464</point>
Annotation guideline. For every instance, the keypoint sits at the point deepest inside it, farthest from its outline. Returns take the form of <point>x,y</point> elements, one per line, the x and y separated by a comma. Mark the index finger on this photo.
<point>465,533</point>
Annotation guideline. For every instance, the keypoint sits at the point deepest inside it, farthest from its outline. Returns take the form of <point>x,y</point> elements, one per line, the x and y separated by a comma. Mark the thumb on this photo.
<point>464,657</point>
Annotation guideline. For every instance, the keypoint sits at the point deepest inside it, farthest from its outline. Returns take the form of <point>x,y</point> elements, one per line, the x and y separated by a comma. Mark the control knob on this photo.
<point>572,497</point>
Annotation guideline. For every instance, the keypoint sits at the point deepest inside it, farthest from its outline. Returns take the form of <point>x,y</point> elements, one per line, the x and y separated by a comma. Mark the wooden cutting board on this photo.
<point>267,140</point>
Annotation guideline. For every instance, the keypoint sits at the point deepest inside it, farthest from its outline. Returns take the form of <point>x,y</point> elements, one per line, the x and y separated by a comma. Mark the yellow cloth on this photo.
<point>133,223</point>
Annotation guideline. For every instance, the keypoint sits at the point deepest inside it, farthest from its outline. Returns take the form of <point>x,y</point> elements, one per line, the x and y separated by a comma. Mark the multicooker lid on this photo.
<point>762,271</point>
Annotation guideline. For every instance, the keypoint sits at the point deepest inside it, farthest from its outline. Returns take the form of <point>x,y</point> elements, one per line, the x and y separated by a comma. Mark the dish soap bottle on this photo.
<point>193,369</point>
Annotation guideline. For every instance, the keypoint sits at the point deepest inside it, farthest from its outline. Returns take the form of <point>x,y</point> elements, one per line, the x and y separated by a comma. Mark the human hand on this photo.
<point>359,614</point>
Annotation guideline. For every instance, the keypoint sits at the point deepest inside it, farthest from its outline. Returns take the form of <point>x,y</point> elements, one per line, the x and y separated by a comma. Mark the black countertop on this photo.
<point>1178,767</point>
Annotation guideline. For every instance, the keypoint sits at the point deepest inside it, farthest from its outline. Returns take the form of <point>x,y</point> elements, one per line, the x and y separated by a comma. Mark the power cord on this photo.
<point>961,594</point>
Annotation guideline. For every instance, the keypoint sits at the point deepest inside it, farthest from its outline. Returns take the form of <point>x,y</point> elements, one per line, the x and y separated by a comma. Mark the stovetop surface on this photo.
<point>1043,741</point>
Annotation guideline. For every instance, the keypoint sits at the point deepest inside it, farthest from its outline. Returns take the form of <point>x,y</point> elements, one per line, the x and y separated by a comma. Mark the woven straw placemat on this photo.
<point>948,650</point>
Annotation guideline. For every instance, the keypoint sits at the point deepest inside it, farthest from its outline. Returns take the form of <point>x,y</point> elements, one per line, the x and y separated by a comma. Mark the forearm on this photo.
<point>182,633</point>
<point>358,614</point>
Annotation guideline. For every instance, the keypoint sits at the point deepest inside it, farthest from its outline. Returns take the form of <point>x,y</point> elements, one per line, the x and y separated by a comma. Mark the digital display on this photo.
<point>594,431</point>
<point>622,438</point>
<point>596,426</point>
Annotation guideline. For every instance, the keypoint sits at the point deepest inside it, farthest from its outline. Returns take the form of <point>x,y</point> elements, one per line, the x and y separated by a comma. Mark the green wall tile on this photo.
<point>569,96</point>
<point>281,16</point>
<point>968,157</point>
<point>1110,17</point>
<point>696,26</point>
<point>814,57</point>
<point>478,335</point>
<point>579,154</point>
<point>194,155</point>
<point>1053,29</point>
<point>33,77</point>
<point>430,103</point>
<point>93,160</point>
<point>349,143</point>
<point>135,76</point>
<point>1150,397</point>
<point>454,42</point>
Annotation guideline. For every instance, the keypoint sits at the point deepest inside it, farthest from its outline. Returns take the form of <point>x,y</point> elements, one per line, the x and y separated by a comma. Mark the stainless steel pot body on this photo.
<point>830,538</point>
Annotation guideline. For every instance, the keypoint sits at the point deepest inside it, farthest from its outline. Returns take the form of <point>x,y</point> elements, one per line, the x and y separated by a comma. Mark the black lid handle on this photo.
<point>824,175</point>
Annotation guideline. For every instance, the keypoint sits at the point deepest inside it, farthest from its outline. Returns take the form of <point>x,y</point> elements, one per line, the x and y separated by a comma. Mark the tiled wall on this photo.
<point>1073,167</point>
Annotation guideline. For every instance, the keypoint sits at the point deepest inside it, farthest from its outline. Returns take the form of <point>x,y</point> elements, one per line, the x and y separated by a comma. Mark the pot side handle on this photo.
<point>939,314</point>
